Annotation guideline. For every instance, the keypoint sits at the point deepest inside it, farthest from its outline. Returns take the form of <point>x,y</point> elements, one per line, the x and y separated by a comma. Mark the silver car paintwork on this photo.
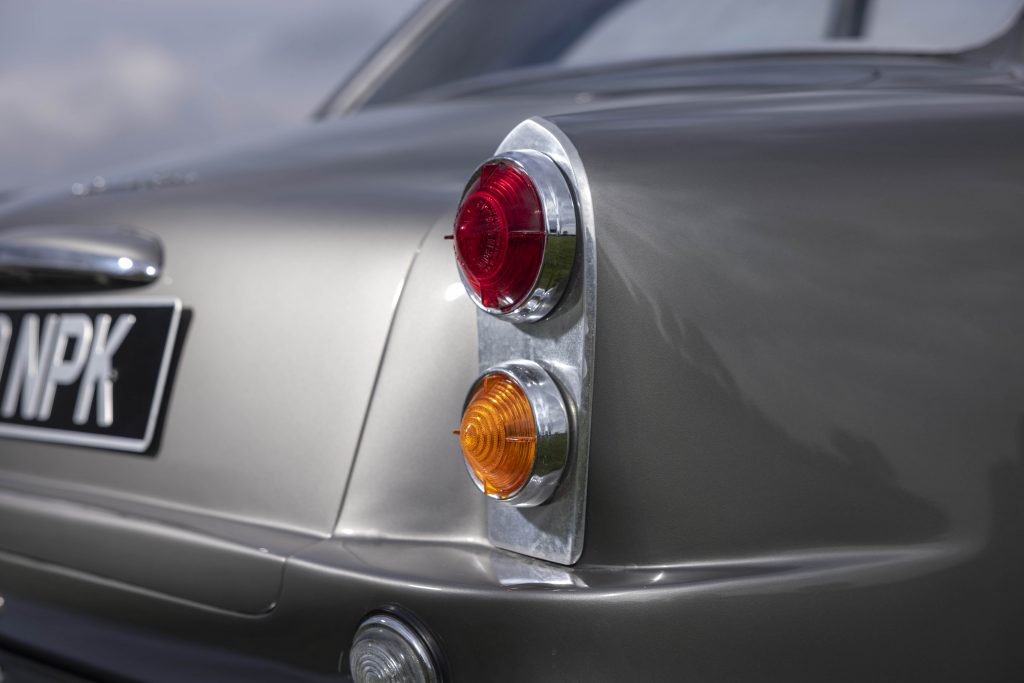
<point>262,332</point>
<point>807,442</point>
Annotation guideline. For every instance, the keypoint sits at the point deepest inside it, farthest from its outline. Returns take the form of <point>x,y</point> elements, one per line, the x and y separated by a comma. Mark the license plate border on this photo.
<point>118,443</point>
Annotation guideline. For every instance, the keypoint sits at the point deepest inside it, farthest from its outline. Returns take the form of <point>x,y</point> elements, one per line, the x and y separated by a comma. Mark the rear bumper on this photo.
<point>500,617</point>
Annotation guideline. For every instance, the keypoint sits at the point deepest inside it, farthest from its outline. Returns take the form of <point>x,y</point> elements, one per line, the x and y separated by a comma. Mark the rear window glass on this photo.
<point>651,29</point>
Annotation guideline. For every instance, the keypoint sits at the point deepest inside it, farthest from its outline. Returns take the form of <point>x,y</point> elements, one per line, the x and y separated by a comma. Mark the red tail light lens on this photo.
<point>515,235</point>
<point>499,236</point>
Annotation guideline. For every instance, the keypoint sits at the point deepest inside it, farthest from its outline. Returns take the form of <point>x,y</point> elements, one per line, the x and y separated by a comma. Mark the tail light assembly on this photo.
<point>515,235</point>
<point>524,248</point>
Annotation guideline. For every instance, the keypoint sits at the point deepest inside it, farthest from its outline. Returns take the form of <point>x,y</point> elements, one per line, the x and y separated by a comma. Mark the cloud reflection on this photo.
<point>86,86</point>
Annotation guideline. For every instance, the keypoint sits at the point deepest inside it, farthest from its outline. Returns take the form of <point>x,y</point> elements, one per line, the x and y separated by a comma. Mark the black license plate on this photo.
<point>85,372</point>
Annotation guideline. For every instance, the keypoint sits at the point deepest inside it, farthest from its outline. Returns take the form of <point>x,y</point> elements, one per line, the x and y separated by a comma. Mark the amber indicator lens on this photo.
<point>498,435</point>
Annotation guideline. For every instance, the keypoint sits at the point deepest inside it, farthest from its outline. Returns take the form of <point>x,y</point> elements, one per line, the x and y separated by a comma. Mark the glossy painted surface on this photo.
<point>808,427</point>
<point>409,480</point>
<point>816,304</point>
<point>290,266</point>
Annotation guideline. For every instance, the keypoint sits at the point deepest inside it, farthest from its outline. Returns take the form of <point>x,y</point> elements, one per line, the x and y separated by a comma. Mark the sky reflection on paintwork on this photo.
<point>88,86</point>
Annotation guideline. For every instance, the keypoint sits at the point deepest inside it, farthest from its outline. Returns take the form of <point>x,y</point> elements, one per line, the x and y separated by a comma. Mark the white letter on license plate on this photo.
<point>73,326</point>
<point>27,377</point>
<point>96,379</point>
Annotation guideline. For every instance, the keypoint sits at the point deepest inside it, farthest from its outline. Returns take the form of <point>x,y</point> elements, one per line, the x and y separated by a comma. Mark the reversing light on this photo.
<point>515,235</point>
<point>514,433</point>
<point>392,647</point>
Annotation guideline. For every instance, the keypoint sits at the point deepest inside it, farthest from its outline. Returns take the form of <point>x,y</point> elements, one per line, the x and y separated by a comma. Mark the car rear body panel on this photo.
<point>806,446</point>
<point>289,264</point>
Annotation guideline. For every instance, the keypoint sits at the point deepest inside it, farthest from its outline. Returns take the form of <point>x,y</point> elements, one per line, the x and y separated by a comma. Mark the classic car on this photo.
<point>581,341</point>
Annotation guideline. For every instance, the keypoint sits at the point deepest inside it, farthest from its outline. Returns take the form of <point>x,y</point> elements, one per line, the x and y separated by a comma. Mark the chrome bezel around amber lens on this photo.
<point>551,425</point>
<point>560,222</point>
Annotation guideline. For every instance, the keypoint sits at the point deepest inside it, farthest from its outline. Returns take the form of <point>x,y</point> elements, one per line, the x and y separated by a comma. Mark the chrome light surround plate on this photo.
<point>563,344</point>
<point>551,422</point>
<point>560,227</point>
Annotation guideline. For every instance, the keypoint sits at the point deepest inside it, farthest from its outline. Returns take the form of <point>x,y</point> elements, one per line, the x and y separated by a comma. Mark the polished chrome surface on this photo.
<point>97,255</point>
<point>155,180</point>
<point>560,228</point>
<point>563,344</point>
<point>551,422</point>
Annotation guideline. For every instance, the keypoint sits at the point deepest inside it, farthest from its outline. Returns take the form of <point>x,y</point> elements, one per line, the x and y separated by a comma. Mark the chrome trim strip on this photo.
<point>120,443</point>
<point>367,78</point>
<point>551,422</point>
<point>560,226</point>
<point>96,254</point>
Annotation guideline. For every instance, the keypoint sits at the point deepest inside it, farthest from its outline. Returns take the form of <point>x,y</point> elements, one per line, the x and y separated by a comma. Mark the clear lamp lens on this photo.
<point>386,650</point>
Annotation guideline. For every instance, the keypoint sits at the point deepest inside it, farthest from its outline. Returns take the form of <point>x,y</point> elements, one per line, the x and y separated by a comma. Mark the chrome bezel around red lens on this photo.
<point>558,206</point>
